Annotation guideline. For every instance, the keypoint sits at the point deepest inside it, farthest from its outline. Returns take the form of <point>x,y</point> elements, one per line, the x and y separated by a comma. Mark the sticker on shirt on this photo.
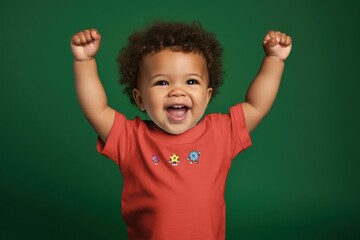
<point>155,159</point>
<point>174,160</point>
<point>194,157</point>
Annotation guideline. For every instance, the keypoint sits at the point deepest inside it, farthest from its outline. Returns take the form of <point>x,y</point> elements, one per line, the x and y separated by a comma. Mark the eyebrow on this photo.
<point>166,75</point>
<point>194,74</point>
<point>158,75</point>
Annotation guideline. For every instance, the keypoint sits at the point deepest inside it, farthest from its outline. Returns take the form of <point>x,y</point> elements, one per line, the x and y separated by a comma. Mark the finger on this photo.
<point>272,34</point>
<point>95,34</point>
<point>96,37</point>
<point>283,39</point>
<point>288,41</point>
<point>81,36</point>
<point>268,36</point>
<point>278,36</point>
<point>87,35</point>
<point>75,40</point>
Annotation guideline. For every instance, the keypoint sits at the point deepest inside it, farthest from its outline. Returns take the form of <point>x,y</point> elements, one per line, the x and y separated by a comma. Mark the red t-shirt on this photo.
<point>174,184</point>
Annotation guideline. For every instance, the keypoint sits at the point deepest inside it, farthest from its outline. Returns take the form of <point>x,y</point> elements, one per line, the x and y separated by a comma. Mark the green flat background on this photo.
<point>299,180</point>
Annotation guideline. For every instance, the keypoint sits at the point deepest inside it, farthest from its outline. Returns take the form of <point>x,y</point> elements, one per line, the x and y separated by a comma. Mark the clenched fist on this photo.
<point>85,44</point>
<point>277,44</point>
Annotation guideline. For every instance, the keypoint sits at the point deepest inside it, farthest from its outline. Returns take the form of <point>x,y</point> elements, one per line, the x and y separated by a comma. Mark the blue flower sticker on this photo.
<point>194,157</point>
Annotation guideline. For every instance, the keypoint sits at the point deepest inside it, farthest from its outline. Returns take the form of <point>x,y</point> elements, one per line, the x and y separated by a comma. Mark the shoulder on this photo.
<point>235,111</point>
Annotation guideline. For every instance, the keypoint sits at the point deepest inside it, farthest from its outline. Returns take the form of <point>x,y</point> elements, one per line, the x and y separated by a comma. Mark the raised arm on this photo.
<point>89,90</point>
<point>263,89</point>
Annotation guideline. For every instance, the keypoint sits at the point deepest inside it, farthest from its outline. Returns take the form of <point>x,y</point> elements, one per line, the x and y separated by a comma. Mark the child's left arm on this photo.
<point>263,90</point>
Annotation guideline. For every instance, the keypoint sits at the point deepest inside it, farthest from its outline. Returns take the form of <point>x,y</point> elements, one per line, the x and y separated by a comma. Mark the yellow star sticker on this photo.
<point>174,160</point>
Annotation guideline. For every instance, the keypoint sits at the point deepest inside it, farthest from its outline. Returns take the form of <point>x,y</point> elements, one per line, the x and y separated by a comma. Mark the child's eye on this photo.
<point>192,82</point>
<point>161,83</point>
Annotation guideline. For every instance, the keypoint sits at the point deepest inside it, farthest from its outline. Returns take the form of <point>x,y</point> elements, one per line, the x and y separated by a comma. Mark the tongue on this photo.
<point>177,113</point>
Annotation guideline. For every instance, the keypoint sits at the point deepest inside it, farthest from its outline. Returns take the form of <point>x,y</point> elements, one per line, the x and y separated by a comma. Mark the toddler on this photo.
<point>174,165</point>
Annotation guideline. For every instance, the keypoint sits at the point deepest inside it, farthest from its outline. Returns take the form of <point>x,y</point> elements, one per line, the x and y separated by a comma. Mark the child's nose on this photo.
<point>177,92</point>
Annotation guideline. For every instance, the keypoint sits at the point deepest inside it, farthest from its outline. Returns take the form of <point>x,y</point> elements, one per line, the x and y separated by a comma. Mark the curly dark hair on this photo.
<point>177,36</point>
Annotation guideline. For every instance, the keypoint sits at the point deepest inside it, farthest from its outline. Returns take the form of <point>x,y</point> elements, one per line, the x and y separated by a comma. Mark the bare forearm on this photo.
<point>92,97</point>
<point>89,90</point>
<point>264,88</point>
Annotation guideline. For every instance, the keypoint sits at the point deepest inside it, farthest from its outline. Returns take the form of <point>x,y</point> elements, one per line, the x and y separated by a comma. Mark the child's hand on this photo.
<point>277,44</point>
<point>85,44</point>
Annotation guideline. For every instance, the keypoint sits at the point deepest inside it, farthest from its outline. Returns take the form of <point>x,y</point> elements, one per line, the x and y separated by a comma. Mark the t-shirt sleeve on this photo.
<point>111,148</point>
<point>242,136</point>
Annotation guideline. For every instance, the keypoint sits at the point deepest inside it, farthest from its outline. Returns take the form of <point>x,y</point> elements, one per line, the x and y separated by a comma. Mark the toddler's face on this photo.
<point>173,89</point>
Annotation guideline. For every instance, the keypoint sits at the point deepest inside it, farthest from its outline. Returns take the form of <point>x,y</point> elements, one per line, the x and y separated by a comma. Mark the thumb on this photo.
<point>272,42</point>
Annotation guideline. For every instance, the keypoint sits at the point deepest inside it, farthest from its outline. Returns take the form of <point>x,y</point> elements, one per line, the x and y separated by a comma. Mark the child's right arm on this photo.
<point>89,90</point>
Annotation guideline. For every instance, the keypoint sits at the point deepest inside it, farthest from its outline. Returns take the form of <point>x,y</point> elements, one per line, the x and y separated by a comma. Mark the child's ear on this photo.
<point>138,99</point>
<point>209,94</point>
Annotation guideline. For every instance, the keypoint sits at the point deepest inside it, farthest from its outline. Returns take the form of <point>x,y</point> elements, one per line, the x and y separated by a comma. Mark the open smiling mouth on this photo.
<point>177,112</point>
